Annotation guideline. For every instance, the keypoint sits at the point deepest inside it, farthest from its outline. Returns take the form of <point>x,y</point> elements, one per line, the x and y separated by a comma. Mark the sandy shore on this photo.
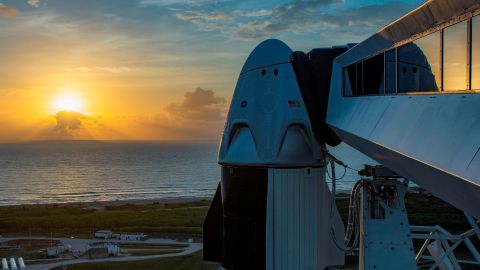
<point>101,204</point>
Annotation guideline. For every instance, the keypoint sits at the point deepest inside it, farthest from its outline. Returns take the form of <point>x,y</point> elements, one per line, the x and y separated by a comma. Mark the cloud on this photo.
<point>108,69</point>
<point>34,3</point>
<point>304,16</point>
<point>200,115</point>
<point>74,125</point>
<point>290,16</point>
<point>69,120</point>
<point>317,16</point>
<point>200,105</point>
<point>7,11</point>
<point>257,13</point>
<point>16,93</point>
<point>195,15</point>
<point>277,19</point>
<point>114,69</point>
<point>205,21</point>
<point>162,3</point>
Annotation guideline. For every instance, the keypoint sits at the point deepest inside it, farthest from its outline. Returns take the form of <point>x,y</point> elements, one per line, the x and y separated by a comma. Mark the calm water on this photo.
<point>47,172</point>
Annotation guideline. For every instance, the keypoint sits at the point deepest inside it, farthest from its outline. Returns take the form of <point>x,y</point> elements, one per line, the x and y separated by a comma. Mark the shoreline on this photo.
<point>101,204</point>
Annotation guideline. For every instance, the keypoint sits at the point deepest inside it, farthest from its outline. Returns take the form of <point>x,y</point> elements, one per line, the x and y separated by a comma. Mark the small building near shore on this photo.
<point>56,251</point>
<point>103,234</point>
<point>103,250</point>
<point>130,236</point>
<point>98,253</point>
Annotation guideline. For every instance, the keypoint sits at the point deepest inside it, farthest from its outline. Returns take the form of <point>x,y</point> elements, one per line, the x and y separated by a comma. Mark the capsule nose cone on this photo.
<point>269,52</point>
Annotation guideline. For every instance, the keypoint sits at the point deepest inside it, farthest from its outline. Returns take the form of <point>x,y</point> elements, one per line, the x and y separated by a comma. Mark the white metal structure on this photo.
<point>21,264</point>
<point>406,97</point>
<point>429,137</point>
<point>413,119</point>
<point>298,204</point>
<point>4,264</point>
<point>441,245</point>
<point>104,234</point>
<point>132,236</point>
<point>113,249</point>
<point>384,231</point>
<point>13,264</point>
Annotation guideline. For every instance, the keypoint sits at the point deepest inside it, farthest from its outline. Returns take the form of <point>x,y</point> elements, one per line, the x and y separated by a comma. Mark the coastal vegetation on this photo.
<point>185,218</point>
<point>71,220</point>
<point>178,219</point>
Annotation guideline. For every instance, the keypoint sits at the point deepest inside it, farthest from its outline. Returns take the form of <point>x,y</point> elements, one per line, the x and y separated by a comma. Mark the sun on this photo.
<point>68,102</point>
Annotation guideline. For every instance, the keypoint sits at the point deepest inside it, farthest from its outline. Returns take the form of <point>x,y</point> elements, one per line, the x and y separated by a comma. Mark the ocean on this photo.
<point>83,171</point>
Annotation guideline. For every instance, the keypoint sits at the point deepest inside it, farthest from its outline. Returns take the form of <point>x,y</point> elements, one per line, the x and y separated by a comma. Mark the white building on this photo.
<point>53,251</point>
<point>21,264</point>
<point>112,248</point>
<point>104,234</point>
<point>4,264</point>
<point>133,236</point>
<point>13,264</point>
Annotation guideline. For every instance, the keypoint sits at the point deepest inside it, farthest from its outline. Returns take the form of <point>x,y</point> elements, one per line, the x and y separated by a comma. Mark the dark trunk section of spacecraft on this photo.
<point>240,219</point>
<point>213,229</point>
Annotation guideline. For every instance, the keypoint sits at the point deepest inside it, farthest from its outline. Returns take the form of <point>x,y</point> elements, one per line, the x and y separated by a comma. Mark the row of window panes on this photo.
<point>416,66</point>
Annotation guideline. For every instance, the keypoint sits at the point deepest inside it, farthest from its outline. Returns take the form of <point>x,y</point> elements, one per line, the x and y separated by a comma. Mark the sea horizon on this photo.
<point>41,172</point>
<point>82,171</point>
<point>114,140</point>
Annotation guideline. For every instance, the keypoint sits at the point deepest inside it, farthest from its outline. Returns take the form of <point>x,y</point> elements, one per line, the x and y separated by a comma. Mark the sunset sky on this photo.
<point>150,69</point>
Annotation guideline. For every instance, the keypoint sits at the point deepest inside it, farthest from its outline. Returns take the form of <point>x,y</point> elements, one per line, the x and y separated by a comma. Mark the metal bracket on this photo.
<point>385,234</point>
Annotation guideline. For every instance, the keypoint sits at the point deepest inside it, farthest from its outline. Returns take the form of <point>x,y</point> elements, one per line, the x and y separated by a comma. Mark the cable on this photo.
<point>352,216</point>
<point>339,162</point>
<point>353,225</point>
<point>340,178</point>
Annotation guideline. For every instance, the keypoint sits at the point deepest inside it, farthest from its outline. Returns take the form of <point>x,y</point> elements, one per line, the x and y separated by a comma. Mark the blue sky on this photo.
<point>154,52</point>
<point>218,34</point>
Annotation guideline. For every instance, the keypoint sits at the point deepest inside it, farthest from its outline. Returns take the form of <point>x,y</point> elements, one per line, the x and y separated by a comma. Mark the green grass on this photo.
<point>187,262</point>
<point>58,220</point>
<point>424,209</point>
<point>176,218</point>
<point>28,249</point>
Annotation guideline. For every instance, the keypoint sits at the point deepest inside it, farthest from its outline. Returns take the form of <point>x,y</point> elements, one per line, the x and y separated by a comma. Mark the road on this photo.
<point>82,245</point>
